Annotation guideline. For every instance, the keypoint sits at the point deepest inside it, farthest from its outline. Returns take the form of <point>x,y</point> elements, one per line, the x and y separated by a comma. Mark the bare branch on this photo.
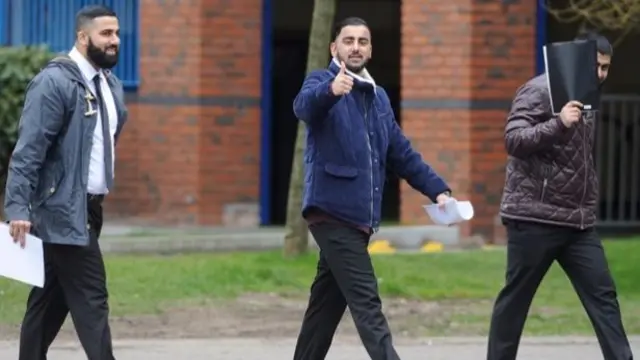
<point>620,16</point>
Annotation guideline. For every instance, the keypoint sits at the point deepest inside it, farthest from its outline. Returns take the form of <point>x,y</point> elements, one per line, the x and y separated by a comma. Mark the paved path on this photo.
<point>250,349</point>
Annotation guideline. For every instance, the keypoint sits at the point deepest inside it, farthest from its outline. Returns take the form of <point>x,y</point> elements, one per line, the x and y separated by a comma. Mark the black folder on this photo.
<point>572,74</point>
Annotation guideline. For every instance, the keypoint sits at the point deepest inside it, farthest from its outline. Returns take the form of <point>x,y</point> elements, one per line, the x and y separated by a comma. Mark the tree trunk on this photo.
<point>296,237</point>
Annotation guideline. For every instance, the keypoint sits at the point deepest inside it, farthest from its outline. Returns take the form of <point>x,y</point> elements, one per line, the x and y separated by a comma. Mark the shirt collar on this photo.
<point>87,70</point>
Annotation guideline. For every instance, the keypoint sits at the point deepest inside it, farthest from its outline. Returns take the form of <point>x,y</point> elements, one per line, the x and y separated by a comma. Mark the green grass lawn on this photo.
<point>145,284</point>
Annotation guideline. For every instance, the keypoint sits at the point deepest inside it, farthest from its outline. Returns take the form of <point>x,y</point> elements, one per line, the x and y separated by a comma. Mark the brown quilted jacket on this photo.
<point>550,175</point>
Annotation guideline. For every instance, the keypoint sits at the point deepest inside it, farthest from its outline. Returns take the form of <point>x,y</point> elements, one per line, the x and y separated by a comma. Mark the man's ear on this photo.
<point>83,38</point>
<point>334,49</point>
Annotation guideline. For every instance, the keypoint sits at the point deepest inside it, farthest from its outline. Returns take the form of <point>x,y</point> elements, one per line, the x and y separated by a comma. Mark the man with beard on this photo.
<point>549,209</point>
<point>352,137</point>
<point>60,171</point>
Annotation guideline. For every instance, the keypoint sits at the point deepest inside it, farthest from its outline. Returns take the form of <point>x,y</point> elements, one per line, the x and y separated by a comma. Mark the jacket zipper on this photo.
<point>366,125</point>
<point>586,173</point>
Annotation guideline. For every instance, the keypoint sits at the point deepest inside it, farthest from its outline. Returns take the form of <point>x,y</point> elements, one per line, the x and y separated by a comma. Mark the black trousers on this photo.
<point>345,277</point>
<point>531,249</point>
<point>75,283</point>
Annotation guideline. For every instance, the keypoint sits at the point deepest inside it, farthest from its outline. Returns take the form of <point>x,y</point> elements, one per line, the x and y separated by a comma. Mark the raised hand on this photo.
<point>570,113</point>
<point>342,83</point>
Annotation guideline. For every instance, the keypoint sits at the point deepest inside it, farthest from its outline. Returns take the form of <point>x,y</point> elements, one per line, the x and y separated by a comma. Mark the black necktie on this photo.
<point>106,134</point>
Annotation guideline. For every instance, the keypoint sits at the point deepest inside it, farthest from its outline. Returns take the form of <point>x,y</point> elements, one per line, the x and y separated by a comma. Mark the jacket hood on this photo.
<point>69,67</point>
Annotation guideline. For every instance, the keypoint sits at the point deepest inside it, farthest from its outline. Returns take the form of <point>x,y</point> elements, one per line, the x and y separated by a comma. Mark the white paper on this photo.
<point>24,265</point>
<point>454,212</point>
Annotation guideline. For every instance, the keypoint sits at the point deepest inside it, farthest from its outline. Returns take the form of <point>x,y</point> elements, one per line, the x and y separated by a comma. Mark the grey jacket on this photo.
<point>49,168</point>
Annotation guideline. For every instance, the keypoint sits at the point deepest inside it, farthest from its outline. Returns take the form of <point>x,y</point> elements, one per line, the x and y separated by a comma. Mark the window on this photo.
<point>52,22</point>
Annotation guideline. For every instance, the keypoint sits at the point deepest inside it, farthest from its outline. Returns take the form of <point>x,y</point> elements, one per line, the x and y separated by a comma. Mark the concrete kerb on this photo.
<point>453,340</point>
<point>118,239</point>
<point>342,349</point>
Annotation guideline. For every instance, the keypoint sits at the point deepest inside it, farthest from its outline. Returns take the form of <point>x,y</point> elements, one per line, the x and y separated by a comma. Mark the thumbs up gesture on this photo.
<point>342,83</point>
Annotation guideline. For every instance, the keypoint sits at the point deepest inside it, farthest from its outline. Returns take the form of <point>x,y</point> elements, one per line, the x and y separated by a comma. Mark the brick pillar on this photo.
<point>462,61</point>
<point>190,151</point>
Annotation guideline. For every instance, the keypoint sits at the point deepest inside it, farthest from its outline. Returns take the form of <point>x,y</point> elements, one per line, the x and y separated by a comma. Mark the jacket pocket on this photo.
<point>340,188</point>
<point>543,191</point>
<point>345,172</point>
<point>50,183</point>
<point>546,175</point>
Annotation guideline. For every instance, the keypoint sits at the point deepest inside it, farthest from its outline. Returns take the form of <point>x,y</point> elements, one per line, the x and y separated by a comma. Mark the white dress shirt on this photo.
<point>97,182</point>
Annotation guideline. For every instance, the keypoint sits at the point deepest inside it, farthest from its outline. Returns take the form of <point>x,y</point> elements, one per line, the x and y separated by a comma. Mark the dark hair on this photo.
<point>603,45</point>
<point>350,21</point>
<point>90,12</point>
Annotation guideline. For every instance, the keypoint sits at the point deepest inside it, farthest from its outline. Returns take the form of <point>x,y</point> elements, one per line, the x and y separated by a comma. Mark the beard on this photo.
<point>602,81</point>
<point>100,57</point>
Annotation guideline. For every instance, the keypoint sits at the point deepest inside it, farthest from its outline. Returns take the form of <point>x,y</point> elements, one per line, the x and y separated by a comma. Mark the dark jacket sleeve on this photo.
<point>315,98</point>
<point>530,125</point>
<point>40,123</point>
<point>407,163</point>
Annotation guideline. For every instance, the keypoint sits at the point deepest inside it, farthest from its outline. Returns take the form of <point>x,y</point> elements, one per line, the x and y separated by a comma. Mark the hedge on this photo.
<point>18,65</point>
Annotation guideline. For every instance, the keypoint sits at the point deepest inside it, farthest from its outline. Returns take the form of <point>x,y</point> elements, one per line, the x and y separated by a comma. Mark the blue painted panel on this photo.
<point>541,35</point>
<point>265,113</point>
<point>4,22</point>
<point>52,22</point>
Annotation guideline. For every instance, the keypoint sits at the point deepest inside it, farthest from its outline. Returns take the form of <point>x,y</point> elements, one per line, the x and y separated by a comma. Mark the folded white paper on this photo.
<point>24,265</point>
<point>454,212</point>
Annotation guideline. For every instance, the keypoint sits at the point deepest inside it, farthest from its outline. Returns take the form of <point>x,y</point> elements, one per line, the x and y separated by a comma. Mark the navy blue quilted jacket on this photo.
<point>351,139</point>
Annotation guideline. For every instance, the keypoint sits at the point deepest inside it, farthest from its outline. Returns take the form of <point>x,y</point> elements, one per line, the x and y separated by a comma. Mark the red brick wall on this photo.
<point>462,61</point>
<point>191,146</point>
<point>192,142</point>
